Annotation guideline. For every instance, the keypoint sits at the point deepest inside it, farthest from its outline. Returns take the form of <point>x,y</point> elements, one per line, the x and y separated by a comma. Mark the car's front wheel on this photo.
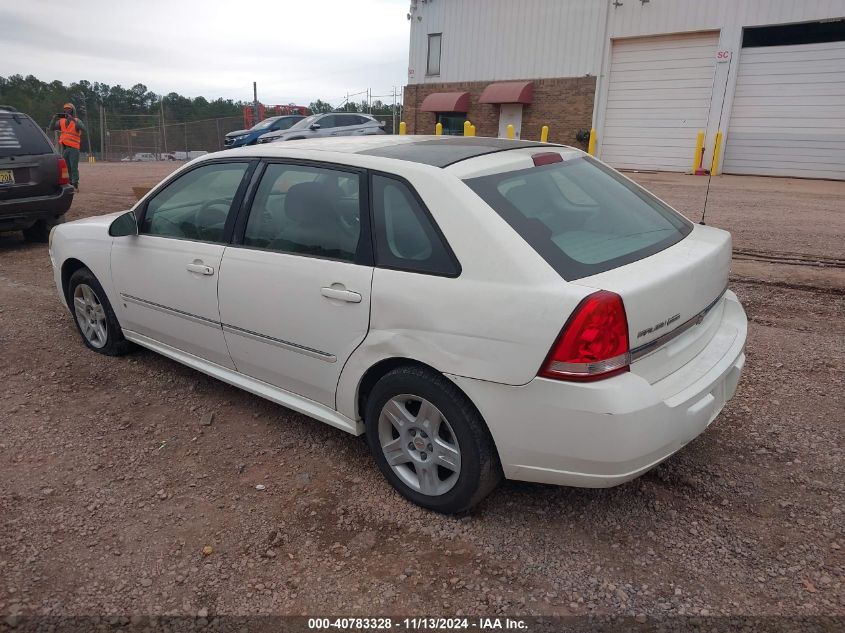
<point>93,315</point>
<point>429,441</point>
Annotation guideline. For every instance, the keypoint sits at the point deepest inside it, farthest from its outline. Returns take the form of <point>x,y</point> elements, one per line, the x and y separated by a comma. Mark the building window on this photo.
<point>433,66</point>
<point>453,122</point>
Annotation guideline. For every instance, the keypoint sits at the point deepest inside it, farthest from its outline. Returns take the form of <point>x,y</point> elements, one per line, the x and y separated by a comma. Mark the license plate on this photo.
<point>7,177</point>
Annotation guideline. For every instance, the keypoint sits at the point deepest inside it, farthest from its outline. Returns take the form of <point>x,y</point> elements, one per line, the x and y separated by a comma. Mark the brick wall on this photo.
<point>564,104</point>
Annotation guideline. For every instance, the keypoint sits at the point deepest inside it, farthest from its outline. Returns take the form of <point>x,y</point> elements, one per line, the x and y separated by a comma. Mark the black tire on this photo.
<point>115,344</point>
<point>480,469</point>
<point>40,231</point>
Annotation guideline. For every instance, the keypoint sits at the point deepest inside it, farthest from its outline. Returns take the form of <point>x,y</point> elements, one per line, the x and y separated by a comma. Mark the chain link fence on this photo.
<point>151,141</point>
<point>173,141</point>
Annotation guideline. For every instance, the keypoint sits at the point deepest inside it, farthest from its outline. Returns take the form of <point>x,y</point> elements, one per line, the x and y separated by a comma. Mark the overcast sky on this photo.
<point>296,50</point>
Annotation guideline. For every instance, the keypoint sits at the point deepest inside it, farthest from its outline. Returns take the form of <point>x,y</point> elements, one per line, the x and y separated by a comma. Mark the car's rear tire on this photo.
<point>93,315</point>
<point>429,441</point>
<point>40,231</point>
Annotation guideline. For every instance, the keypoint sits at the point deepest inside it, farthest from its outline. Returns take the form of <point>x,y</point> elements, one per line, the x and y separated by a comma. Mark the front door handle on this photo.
<point>341,294</point>
<point>198,267</point>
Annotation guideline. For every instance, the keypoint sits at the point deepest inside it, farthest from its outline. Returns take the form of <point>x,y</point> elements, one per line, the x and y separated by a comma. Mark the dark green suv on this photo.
<point>35,191</point>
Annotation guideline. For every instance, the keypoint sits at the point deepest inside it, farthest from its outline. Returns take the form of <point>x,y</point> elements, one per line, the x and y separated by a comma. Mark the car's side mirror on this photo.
<point>124,225</point>
<point>314,126</point>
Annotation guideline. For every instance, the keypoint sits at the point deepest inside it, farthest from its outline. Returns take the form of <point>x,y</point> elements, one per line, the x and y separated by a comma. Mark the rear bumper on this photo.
<point>21,213</point>
<point>602,434</point>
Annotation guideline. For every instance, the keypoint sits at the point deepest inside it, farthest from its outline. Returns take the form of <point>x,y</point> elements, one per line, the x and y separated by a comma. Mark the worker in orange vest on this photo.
<point>70,131</point>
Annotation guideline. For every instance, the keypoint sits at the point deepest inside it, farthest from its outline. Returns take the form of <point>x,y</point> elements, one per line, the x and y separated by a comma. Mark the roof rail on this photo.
<point>8,108</point>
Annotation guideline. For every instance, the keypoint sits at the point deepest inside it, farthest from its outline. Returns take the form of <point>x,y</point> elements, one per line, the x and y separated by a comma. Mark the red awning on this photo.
<point>446,102</point>
<point>509,92</point>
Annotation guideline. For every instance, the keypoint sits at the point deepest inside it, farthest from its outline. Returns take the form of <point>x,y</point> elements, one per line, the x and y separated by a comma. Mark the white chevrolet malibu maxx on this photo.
<point>478,307</point>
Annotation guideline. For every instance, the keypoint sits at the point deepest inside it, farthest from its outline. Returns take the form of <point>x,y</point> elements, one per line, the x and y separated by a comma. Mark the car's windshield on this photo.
<point>266,123</point>
<point>582,217</point>
<point>304,123</point>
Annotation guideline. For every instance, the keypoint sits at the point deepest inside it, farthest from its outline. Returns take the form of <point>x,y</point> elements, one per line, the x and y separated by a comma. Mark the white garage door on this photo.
<point>658,99</point>
<point>788,115</point>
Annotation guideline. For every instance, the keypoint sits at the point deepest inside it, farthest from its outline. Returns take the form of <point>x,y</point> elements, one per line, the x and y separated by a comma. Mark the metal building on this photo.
<point>763,79</point>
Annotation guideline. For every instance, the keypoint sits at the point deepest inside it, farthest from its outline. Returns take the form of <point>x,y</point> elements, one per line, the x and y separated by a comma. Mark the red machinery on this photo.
<point>268,111</point>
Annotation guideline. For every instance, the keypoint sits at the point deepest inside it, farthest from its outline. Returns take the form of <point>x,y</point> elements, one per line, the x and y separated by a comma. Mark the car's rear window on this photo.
<point>19,136</point>
<point>580,216</point>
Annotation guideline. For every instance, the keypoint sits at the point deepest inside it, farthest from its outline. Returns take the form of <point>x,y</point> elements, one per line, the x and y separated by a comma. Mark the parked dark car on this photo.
<point>35,190</point>
<point>239,138</point>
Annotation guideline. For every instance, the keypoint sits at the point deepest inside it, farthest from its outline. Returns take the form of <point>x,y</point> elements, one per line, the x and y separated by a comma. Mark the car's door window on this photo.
<point>405,236</point>
<point>285,123</point>
<point>196,205</point>
<point>328,121</point>
<point>307,211</point>
<point>348,120</point>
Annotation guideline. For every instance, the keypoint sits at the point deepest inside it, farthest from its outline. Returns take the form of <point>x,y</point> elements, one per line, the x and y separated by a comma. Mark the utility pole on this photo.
<point>255,102</point>
<point>163,125</point>
<point>102,134</point>
<point>394,110</point>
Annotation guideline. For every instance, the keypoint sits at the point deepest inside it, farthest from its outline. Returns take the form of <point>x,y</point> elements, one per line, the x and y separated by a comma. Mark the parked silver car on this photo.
<point>329,124</point>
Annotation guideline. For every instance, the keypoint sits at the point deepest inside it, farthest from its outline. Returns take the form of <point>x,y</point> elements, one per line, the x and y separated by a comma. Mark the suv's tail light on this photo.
<point>64,178</point>
<point>594,342</point>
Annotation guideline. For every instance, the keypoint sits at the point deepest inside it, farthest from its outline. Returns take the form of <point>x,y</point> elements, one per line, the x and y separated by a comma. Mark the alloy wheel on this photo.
<point>90,315</point>
<point>419,444</point>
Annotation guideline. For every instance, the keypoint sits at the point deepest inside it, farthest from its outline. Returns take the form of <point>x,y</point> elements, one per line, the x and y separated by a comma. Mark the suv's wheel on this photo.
<point>94,316</point>
<point>40,231</point>
<point>429,441</point>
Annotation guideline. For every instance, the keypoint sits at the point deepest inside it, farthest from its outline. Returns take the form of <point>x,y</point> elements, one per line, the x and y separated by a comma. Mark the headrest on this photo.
<point>309,203</point>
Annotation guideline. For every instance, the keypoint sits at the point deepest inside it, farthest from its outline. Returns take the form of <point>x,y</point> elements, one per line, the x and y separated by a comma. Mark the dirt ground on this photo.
<point>111,486</point>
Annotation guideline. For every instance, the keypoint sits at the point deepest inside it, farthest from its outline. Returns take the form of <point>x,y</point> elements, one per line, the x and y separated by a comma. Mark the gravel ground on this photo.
<point>119,494</point>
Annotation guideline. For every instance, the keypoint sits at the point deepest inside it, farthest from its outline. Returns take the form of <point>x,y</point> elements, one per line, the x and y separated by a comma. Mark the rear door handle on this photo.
<point>341,294</point>
<point>199,267</point>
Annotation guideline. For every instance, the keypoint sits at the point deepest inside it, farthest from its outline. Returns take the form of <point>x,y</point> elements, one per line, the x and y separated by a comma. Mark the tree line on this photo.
<point>131,108</point>
<point>40,100</point>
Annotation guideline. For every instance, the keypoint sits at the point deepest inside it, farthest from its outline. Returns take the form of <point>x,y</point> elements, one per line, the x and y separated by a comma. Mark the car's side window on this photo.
<point>348,120</point>
<point>405,236</point>
<point>306,210</point>
<point>328,121</point>
<point>196,205</point>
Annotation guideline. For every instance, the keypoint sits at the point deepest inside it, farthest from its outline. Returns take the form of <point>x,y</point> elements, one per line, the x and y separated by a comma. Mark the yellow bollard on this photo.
<point>544,134</point>
<point>438,129</point>
<point>591,146</point>
<point>472,130</point>
<point>510,131</point>
<point>467,128</point>
<point>717,154</point>
<point>699,151</point>
<point>403,129</point>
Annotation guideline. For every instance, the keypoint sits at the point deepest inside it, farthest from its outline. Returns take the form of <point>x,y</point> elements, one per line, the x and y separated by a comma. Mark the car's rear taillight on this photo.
<point>594,342</point>
<point>64,178</point>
